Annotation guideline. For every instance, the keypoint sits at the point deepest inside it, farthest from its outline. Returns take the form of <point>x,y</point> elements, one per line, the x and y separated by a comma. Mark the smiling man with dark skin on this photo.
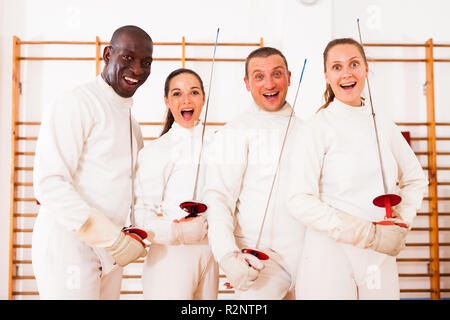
<point>83,175</point>
<point>128,60</point>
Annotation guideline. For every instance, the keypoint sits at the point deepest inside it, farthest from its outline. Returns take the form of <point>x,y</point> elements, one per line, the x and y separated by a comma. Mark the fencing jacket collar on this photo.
<point>112,95</point>
<point>339,106</point>
<point>284,111</point>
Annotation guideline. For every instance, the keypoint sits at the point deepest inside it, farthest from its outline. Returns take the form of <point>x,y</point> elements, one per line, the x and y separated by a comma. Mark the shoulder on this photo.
<point>242,120</point>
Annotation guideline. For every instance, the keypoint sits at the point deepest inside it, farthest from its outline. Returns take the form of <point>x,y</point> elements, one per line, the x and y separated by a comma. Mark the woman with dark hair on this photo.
<point>180,265</point>
<point>346,255</point>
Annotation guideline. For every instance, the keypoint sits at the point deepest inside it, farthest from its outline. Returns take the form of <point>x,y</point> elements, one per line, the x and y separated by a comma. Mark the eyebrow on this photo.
<point>131,52</point>
<point>352,58</point>
<point>194,87</point>
<point>277,67</point>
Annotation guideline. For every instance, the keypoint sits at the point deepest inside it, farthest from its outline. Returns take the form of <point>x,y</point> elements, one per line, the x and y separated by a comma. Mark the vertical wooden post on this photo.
<point>261,42</point>
<point>432,174</point>
<point>97,56</point>
<point>14,133</point>
<point>183,53</point>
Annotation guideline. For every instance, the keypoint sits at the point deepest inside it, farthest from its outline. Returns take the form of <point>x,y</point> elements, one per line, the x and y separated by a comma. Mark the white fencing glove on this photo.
<point>99,231</point>
<point>387,239</point>
<point>241,269</point>
<point>190,230</point>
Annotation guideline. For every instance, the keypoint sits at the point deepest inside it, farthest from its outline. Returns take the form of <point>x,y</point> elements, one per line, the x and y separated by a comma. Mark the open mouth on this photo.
<point>187,114</point>
<point>348,86</point>
<point>131,81</point>
<point>271,96</point>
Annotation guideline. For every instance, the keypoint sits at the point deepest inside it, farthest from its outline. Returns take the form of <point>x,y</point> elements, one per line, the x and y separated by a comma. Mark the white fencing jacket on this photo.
<point>83,155</point>
<point>165,177</point>
<point>242,161</point>
<point>339,169</point>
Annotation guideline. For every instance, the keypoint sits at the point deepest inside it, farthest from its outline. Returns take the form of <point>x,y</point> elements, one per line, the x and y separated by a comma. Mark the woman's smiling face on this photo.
<point>346,72</point>
<point>185,99</point>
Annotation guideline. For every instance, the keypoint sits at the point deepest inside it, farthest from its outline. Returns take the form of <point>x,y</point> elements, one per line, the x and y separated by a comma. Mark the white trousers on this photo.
<point>274,282</point>
<point>67,268</point>
<point>181,272</point>
<point>330,270</point>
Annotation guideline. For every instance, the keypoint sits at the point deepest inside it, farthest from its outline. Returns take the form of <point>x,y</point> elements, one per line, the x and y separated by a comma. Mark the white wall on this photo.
<point>300,31</point>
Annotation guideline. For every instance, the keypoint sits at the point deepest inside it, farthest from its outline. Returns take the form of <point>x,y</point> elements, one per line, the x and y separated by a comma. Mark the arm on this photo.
<point>412,181</point>
<point>152,172</point>
<point>304,203</point>
<point>65,127</point>
<point>226,161</point>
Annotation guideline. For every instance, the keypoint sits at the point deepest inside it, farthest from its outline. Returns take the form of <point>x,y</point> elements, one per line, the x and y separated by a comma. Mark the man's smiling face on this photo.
<point>268,80</point>
<point>127,63</point>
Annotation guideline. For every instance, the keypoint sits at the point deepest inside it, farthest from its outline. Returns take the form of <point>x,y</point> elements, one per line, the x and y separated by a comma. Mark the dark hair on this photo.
<point>130,29</point>
<point>329,94</point>
<point>263,52</point>
<point>169,116</point>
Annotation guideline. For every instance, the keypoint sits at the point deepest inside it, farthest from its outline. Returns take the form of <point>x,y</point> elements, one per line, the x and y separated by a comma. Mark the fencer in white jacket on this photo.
<point>242,161</point>
<point>83,177</point>
<point>181,265</point>
<point>338,175</point>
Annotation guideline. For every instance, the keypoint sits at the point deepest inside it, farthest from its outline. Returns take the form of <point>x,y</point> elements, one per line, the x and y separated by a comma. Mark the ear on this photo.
<point>326,77</point>
<point>247,84</point>
<point>166,101</point>
<point>289,78</point>
<point>107,54</point>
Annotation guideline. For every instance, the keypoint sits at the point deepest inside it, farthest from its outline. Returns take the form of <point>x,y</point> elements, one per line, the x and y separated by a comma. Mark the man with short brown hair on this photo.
<point>238,185</point>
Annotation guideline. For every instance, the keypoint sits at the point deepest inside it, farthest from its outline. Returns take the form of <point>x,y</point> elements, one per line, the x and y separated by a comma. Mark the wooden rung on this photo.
<point>226,291</point>
<point>415,290</point>
<point>23,230</point>
<point>131,276</point>
<point>25,293</point>
<point>23,184</point>
<point>130,292</point>
<point>27,138</point>
<point>24,278</point>
<point>28,123</point>
<point>425,153</point>
<point>420,229</point>
<point>426,138</point>
<point>56,58</point>
<point>23,168</point>
<point>416,244</point>
<point>24,153</point>
<point>439,198</point>
<point>414,259</point>
<point>22,262</point>
<point>415,275</point>
<point>25,215</point>
<point>412,123</point>
<point>25,199</point>
<point>22,246</point>
<point>150,138</point>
